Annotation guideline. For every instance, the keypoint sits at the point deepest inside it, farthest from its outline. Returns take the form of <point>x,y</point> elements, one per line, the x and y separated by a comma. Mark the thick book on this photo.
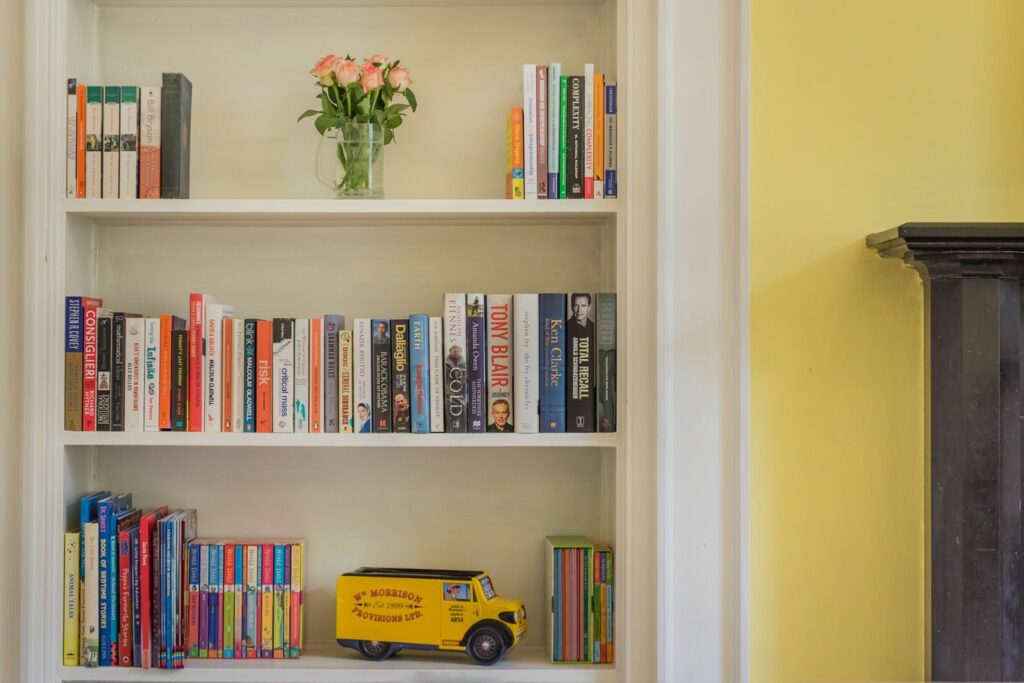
<point>419,372</point>
<point>525,359</point>
<point>588,131</point>
<point>175,136</point>
<point>401,410</point>
<point>249,372</point>
<point>575,144</point>
<point>179,380</point>
<point>316,375</point>
<point>90,640</point>
<point>530,128</point>
<point>606,366</point>
<point>128,165</point>
<point>598,105</point>
<point>71,584</point>
<point>380,359</point>
<point>213,368</point>
<point>500,414</point>
<point>515,187</point>
<point>300,389</point>
<point>563,137</point>
<point>90,333</point>
<point>94,142</point>
<point>168,323</point>
<point>455,363</point>
<point>332,324</point>
<point>149,143</point>
<point>542,131</point>
<point>197,304</point>
<point>611,163</point>
<point>436,348</point>
<point>264,376</point>
<point>111,140</point>
<point>88,512</point>
<point>80,144</point>
<point>74,349</point>
<point>152,405</point>
<point>284,375</point>
<point>362,375</point>
<point>476,364</point>
<point>71,141</point>
<point>551,314</point>
<point>104,368</point>
<point>580,341</point>
<point>553,126</point>
<point>134,367</point>
<point>120,359</point>
<point>148,582</point>
<point>346,409</point>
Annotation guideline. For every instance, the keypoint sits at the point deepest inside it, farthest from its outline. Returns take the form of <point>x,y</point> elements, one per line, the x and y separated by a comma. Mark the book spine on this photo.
<point>192,639</point>
<point>104,516</point>
<point>515,181</point>
<point>598,106</point>
<point>179,379</point>
<point>250,376</point>
<point>400,393</point>
<point>267,602</point>
<point>238,586</point>
<point>525,359</point>
<point>332,325</point>
<point>530,128</point>
<point>611,164</point>
<point>196,359</point>
<point>213,603</point>
<point>213,369</point>
<point>606,361</point>
<point>286,590</point>
<point>124,595</point>
<point>563,137</point>
<point>227,395</point>
<point>228,592</point>
<point>149,144</point>
<point>90,643</point>
<point>129,161</point>
<point>264,376</point>
<point>203,608</point>
<point>500,414</point>
<point>554,122</point>
<point>176,115</point>
<point>164,402</point>
<point>381,373</point>
<point>70,179</point>
<point>71,594</point>
<point>151,381</point>
<point>588,131</point>
<point>455,363</point>
<point>104,369</point>
<point>301,385</point>
<point>111,140</point>
<point>542,131</point>
<point>419,372</point>
<point>295,620</point>
<point>346,410</point>
<point>552,362</point>
<point>316,374</point>
<point>362,376</point>
<point>575,143</point>
<point>80,143</point>
<point>238,376</point>
<point>94,142</point>
<point>580,363</point>
<point>476,361</point>
<point>117,394</point>
<point>134,375</point>
<point>252,595</point>
<point>73,350</point>
<point>278,597</point>
<point>136,599</point>
<point>145,592</point>
<point>284,374</point>
<point>435,347</point>
<point>90,362</point>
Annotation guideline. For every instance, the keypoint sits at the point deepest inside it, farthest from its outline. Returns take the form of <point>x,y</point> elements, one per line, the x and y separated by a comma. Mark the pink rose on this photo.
<point>371,77</point>
<point>380,60</point>
<point>399,78</point>
<point>324,68</point>
<point>346,71</point>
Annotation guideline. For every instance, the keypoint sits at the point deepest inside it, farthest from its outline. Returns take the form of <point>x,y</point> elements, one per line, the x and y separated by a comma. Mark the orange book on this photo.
<point>316,388</point>
<point>515,178</point>
<point>80,144</point>
<point>167,323</point>
<point>598,136</point>
<point>227,397</point>
<point>264,367</point>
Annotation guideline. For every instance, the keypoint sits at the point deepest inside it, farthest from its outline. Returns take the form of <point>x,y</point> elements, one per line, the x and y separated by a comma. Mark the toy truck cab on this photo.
<point>382,611</point>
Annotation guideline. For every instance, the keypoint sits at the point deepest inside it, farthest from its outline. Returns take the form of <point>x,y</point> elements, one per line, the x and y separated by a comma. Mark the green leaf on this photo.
<point>410,98</point>
<point>394,121</point>
<point>396,109</point>
<point>388,136</point>
<point>325,121</point>
<point>308,113</point>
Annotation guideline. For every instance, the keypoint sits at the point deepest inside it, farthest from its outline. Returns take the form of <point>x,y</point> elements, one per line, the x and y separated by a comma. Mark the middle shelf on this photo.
<point>252,440</point>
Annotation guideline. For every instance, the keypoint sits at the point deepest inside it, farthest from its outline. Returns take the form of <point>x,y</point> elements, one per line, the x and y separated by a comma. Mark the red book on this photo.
<point>89,337</point>
<point>196,359</point>
<point>124,596</point>
<point>316,389</point>
<point>80,144</point>
<point>264,366</point>
<point>146,525</point>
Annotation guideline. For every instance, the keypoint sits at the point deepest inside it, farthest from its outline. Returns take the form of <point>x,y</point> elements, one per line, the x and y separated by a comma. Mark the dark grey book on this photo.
<point>175,136</point>
<point>332,325</point>
<point>380,359</point>
<point>104,369</point>
<point>581,363</point>
<point>117,389</point>
<point>606,367</point>
<point>179,379</point>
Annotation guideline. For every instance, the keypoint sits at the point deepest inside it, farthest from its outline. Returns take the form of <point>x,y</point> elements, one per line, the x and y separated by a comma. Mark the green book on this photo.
<point>563,126</point>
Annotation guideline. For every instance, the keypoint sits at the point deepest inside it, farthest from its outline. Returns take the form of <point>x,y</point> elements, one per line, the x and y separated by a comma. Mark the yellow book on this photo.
<point>72,598</point>
<point>598,136</point>
<point>295,607</point>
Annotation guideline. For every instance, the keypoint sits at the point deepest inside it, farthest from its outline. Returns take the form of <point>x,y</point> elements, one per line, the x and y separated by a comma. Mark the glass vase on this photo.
<point>349,161</point>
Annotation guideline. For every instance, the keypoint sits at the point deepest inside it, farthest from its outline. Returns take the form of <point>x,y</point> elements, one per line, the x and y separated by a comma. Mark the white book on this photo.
<point>149,143</point>
<point>500,369</point>
<point>346,420</point>
<point>94,142</point>
<point>134,396</point>
<point>111,140</point>
<point>129,159</point>
<point>301,387</point>
<point>362,376</point>
<point>71,178</point>
<point>525,359</point>
<point>588,131</point>
<point>554,124</point>
<point>284,377</point>
<point>213,363</point>
<point>90,644</point>
<point>238,376</point>
<point>151,379</point>
<point>530,129</point>
<point>436,346</point>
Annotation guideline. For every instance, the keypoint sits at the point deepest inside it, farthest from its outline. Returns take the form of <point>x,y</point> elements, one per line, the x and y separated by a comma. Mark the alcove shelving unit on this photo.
<point>260,233</point>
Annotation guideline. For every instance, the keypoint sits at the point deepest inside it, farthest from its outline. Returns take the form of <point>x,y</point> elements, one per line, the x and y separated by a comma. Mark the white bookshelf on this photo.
<point>260,233</point>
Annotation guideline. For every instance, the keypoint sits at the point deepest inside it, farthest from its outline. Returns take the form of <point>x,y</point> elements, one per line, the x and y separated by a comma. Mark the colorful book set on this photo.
<point>580,591</point>
<point>562,143</point>
<point>520,363</point>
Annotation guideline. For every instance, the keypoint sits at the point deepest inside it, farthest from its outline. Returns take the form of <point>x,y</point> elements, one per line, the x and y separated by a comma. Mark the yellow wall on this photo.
<point>864,114</point>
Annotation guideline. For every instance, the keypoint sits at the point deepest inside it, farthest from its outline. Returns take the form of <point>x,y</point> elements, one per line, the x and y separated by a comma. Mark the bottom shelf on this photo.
<point>334,663</point>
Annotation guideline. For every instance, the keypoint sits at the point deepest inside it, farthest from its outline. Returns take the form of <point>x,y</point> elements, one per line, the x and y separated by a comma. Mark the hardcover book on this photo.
<point>104,368</point>
<point>284,374</point>
<point>588,131</point>
<point>515,183</point>
<point>249,377</point>
<point>179,379</point>
<point>553,126</point>
<point>71,132</point>
<point>168,323</point>
<point>419,372</point>
<point>74,349</point>
<point>152,405</point>
<point>301,383</point>
<point>611,164</point>
<point>436,349</point>
<point>134,377</point>
<point>606,366</point>
<point>455,414</point>
<point>526,389</point>
<point>346,409</point>
<point>264,376</point>
<point>575,144</point>
<point>149,143</point>
<point>129,144</point>
<point>175,136</point>
<point>90,333</point>
<point>580,363</point>
<point>476,363</point>
<point>316,374</point>
<point>362,371</point>
<point>94,142</point>
<point>542,131</point>
<point>381,364</point>
<point>552,362</point>
<point>401,410</point>
<point>530,128</point>
<point>111,140</point>
<point>500,417</point>
<point>332,324</point>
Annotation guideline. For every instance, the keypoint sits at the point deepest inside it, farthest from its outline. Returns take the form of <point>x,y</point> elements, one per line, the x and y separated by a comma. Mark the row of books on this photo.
<point>128,142</point>
<point>581,596</point>
<point>496,363</point>
<point>562,143</point>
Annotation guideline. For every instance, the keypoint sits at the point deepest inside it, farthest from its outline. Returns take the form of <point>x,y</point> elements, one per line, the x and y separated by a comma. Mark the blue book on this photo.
<point>167,589</point>
<point>552,308</point>
<point>611,184</point>
<point>476,364</point>
<point>193,591</point>
<point>216,586</point>
<point>249,400</point>
<point>107,510</point>
<point>136,596</point>
<point>87,511</point>
<point>419,372</point>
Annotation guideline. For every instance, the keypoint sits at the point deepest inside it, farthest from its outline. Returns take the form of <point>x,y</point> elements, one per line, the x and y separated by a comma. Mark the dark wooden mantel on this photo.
<point>973,273</point>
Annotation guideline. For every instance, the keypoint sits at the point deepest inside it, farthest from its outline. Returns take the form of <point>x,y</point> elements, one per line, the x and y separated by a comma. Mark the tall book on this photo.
<point>381,365</point>
<point>237,375</point>
<point>90,361</point>
<point>80,143</point>
<point>530,129</point>
<point>419,372</point>
<point>197,304</point>
<point>553,126</point>
<point>455,363</point>
<point>316,375</point>
<point>71,133</point>
<point>111,140</point>
<point>213,364</point>
<point>332,324</point>
<point>476,363</point>
<point>151,406</point>
<point>264,376</point>
<point>575,143</point>
<point>563,137</point>
<point>401,410</point>
<point>542,131</point>
<point>120,357</point>
<point>71,597</point>
<point>301,373</point>
<point>74,347</point>
<point>104,368</point>
<point>149,143</point>
<point>346,409</point>
<point>588,131</point>
<point>284,374</point>
<point>249,377</point>
<point>515,183</point>
<point>606,365</point>
<point>525,358</point>
<point>552,309</point>
<point>175,136</point>
<point>179,380</point>
<point>128,164</point>
<point>134,376</point>
<point>580,340</point>
<point>598,106</point>
<point>94,142</point>
<point>168,323</point>
<point>435,328</point>
<point>90,641</point>
<point>500,414</point>
<point>611,163</point>
<point>362,374</point>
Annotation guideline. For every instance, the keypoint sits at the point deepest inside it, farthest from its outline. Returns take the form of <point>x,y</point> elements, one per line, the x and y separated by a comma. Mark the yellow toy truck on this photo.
<point>382,611</point>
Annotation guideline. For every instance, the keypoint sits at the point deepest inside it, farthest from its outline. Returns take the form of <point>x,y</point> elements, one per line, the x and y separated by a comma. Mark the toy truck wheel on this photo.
<point>486,645</point>
<point>376,650</point>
